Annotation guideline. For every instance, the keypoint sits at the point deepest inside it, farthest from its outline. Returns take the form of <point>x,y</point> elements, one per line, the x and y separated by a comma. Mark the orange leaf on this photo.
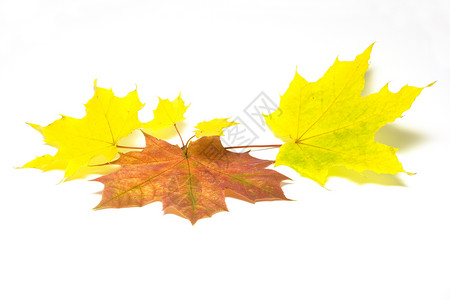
<point>192,182</point>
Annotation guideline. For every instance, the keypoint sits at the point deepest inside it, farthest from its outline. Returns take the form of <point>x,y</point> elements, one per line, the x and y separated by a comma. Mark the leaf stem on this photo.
<point>187,143</point>
<point>127,147</point>
<point>254,146</point>
<point>175,125</point>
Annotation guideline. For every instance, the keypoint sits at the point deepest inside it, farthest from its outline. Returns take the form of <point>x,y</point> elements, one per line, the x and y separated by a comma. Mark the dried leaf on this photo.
<point>189,182</point>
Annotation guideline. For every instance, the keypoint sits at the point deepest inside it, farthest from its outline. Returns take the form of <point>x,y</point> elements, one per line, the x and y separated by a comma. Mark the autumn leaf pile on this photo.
<point>322,124</point>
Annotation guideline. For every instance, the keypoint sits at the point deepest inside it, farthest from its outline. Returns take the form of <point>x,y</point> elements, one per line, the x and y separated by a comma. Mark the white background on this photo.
<point>355,240</point>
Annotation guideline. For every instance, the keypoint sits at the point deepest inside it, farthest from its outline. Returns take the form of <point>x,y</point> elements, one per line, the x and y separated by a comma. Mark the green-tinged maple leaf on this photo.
<point>190,182</point>
<point>328,123</point>
<point>108,119</point>
<point>213,127</point>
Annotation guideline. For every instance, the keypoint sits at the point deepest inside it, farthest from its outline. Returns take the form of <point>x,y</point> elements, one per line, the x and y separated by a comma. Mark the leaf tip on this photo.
<point>431,84</point>
<point>39,128</point>
<point>368,50</point>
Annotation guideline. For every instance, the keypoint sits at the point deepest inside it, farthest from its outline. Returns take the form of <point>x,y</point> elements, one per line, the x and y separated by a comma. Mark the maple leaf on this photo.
<point>190,182</point>
<point>108,119</point>
<point>213,127</point>
<point>46,162</point>
<point>167,114</point>
<point>328,123</point>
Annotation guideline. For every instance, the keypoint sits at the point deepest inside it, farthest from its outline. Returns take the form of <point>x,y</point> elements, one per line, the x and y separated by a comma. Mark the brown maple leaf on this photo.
<point>192,182</point>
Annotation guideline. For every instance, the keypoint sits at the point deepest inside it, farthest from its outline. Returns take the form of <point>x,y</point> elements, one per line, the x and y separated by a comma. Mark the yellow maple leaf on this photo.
<point>167,114</point>
<point>108,119</point>
<point>46,162</point>
<point>213,127</point>
<point>328,123</point>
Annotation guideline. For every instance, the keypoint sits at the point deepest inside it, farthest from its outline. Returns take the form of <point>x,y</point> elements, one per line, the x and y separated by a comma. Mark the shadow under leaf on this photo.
<point>398,137</point>
<point>366,177</point>
<point>369,86</point>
